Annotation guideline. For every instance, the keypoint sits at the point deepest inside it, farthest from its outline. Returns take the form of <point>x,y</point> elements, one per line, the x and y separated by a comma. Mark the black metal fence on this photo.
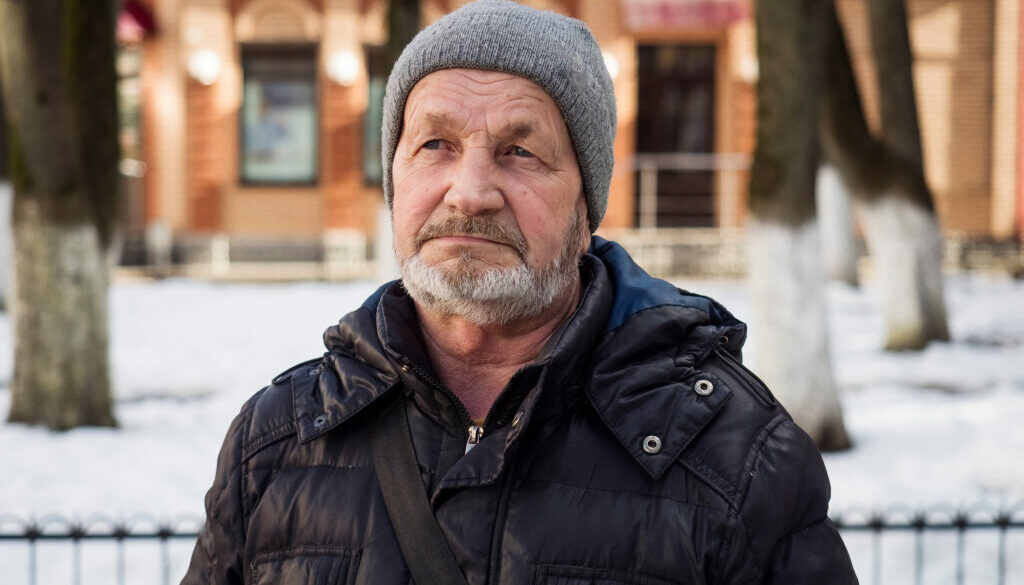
<point>948,534</point>
<point>978,545</point>
<point>34,534</point>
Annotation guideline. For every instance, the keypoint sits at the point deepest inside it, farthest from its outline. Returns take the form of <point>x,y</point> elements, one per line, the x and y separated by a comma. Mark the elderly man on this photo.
<point>526,405</point>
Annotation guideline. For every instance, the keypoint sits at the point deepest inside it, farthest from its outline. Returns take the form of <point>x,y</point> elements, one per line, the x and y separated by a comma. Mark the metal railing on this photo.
<point>869,557</point>
<point>918,524</point>
<point>647,165</point>
<point>34,532</point>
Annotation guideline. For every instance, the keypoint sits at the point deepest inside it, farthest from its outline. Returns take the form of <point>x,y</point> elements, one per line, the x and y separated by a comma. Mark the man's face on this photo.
<point>487,196</point>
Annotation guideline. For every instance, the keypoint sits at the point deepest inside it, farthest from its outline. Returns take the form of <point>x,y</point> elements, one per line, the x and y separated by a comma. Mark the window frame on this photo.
<point>296,51</point>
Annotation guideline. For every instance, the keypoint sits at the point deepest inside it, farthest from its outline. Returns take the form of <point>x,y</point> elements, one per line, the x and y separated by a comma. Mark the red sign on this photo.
<point>682,14</point>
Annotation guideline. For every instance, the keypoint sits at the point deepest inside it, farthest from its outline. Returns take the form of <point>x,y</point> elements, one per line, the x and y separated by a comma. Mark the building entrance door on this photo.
<point>676,114</point>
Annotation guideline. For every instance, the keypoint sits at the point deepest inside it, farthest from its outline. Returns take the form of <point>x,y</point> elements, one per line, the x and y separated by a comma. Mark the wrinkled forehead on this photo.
<point>449,97</point>
<point>481,82</point>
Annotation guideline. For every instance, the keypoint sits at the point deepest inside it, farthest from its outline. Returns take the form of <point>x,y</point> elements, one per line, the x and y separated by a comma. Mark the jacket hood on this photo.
<point>647,364</point>
<point>636,291</point>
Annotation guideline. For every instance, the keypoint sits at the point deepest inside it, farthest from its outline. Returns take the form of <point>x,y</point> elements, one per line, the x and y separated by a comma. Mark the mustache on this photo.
<point>463,225</point>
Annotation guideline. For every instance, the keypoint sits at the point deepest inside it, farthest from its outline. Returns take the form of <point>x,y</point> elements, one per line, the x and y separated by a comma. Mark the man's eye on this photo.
<point>432,144</point>
<point>520,151</point>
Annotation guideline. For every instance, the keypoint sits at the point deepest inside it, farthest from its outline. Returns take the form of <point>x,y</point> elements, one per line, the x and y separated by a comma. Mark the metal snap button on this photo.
<point>704,387</point>
<point>652,444</point>
<point>319,421</point>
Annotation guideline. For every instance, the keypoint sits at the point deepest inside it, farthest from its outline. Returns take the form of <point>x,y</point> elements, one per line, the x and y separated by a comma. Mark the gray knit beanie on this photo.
<point>556,52</point>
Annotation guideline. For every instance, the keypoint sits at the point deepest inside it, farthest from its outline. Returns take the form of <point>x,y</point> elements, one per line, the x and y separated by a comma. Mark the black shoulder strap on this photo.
<point>425,549</point>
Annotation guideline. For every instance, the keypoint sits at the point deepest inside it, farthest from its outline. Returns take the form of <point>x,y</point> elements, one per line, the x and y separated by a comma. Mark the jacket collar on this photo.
<point>354,373</point>
<point>634,342</point>
<point>644,368</point>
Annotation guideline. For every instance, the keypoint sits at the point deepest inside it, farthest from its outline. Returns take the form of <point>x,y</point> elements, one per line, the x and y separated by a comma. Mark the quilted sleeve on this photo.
<point>784,536</point>
<point>218,555</point>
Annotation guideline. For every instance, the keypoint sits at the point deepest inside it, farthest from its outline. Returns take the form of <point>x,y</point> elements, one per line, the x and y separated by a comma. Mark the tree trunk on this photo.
<point>6,264</point>
<point>403,24</point>
<point>835,221</point>
<point>59,83</point>
<point>886,177</point>
<point>789,327</point>
<point>5,151</point>
<point>906,246</point>
<point>6,269</point>
<point>61,375</point>
<point>890,46</point>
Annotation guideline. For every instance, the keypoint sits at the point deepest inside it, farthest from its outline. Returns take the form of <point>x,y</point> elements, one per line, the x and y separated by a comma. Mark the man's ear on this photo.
<point>582,225</point>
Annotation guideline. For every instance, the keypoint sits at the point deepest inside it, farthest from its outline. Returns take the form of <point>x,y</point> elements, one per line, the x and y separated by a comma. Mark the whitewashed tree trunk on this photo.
<point>885,175</point>
<point>906,265</point>
<point>835,220</point>
<point>60,100</point>
<point>789,329</point>
<point>64,327</point>
<point>788,325</point>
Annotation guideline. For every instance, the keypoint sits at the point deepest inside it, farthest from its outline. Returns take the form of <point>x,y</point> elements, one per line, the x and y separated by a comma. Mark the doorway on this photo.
<point>676,115</point>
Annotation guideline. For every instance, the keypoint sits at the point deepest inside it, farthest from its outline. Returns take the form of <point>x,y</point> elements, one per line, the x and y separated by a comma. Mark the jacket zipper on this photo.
<point>757,386</point>
<point>474,433</point>
<point>467,422</point>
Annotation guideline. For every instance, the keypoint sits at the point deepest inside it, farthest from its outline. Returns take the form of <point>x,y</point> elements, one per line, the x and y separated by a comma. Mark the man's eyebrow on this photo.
<point>521,130</point>
<point>439,120</point>
<point>435,120</point>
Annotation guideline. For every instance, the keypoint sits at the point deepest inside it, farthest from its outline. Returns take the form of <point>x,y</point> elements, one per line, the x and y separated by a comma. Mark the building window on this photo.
<point>279,115</point>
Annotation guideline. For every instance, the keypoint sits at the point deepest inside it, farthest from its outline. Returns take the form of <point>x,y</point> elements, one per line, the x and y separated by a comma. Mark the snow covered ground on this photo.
<point>937,427</point>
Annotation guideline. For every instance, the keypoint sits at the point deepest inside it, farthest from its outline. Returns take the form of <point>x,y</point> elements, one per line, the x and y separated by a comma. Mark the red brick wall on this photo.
<point>348,202</point>
<point>207,163</point>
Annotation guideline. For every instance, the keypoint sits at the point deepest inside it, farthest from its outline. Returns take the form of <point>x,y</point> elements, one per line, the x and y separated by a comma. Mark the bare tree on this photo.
<point>886,175</point>
<point>789,327</point>
<point>59,82</point>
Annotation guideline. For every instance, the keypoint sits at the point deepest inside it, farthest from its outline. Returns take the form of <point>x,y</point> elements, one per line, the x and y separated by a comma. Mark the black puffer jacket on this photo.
<point>560,490</point>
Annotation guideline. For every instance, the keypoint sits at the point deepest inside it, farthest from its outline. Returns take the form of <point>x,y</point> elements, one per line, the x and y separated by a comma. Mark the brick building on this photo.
<point>257,118</point>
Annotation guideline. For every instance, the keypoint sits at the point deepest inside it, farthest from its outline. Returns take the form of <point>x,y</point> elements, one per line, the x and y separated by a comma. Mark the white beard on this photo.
<point>492,295</point>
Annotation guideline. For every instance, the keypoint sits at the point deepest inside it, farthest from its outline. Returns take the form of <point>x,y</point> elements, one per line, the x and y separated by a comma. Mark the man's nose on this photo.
<point>474,188</point>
